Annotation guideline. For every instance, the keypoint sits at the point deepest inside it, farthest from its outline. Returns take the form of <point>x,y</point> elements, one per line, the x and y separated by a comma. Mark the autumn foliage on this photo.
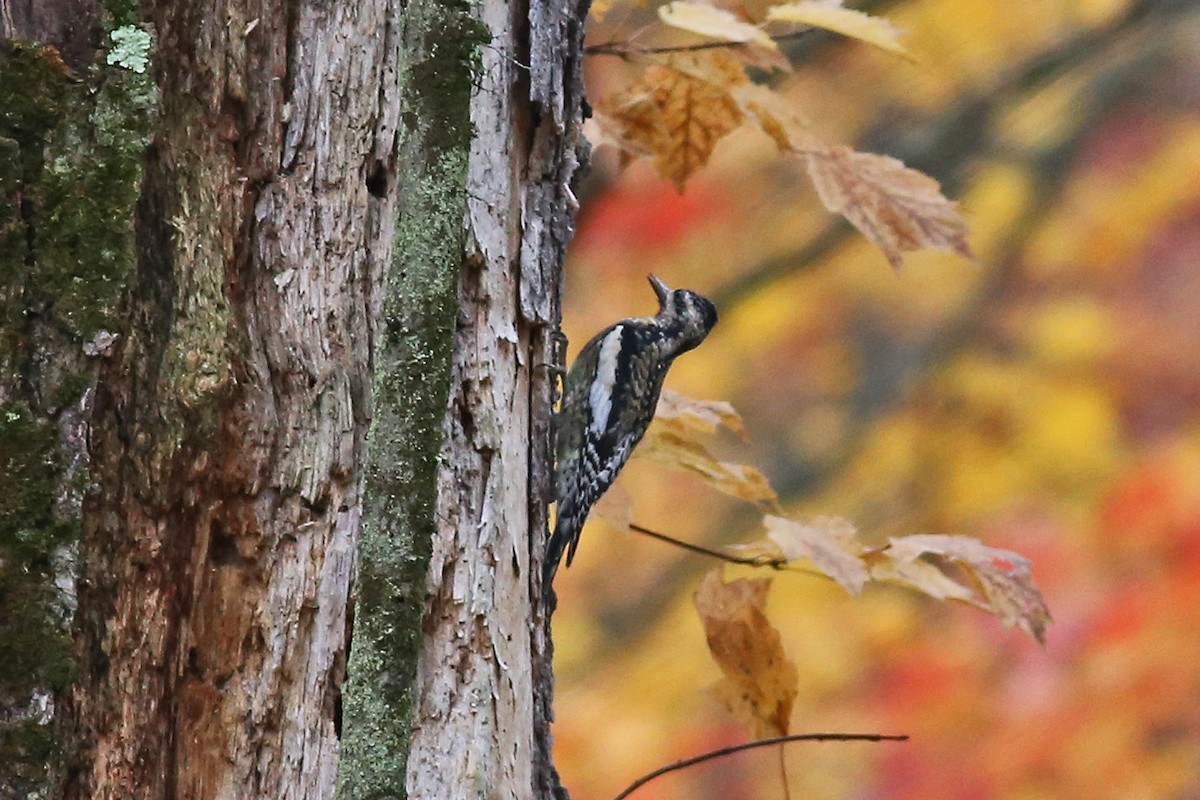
<point>686,101</point>
<point>910,447</point>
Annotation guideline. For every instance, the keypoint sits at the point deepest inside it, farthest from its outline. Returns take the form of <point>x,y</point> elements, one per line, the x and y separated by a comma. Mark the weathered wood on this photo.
<point>71,147</point>
<point>557,153</point>
<point>231,419</point>
<point>439,40</point>
<point>481,728</point>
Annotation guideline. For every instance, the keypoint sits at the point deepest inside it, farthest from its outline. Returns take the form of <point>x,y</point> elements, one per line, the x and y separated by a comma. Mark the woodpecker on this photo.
<point>609,398</point>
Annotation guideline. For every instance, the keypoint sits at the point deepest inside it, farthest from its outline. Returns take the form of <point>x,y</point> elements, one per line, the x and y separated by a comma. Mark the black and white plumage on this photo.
<point>609,399</point>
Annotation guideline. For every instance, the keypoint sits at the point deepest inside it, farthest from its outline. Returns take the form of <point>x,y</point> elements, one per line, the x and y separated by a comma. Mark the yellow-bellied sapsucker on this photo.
<point>609,399</point>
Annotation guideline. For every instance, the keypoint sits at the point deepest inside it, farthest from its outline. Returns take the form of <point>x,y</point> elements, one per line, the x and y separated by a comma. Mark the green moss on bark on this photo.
<point>70,159</point>
<point>33,91</point>
<point>70,162</point>
<point>35,647</point>
<point>33,641</point>
<point>412,376</point>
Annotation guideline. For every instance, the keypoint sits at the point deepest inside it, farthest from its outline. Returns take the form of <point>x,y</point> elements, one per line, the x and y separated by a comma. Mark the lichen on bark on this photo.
<point>439,46</point>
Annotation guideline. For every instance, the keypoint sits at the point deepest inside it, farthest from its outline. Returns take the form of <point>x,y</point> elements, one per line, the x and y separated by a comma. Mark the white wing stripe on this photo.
<point>600,396</point>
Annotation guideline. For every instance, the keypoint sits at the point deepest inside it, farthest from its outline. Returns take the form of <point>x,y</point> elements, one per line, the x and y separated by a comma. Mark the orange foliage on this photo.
<point>1046,402</point>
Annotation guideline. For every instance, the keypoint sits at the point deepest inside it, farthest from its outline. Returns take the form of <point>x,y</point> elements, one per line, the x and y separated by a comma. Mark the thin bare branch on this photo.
<point>737,748</point>
<point>783,775</point>
<point>627,49</point>
<point>755,561</point>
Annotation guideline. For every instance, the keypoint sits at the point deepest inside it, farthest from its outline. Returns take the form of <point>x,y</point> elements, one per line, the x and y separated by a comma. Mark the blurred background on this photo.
<point>1045,400</point>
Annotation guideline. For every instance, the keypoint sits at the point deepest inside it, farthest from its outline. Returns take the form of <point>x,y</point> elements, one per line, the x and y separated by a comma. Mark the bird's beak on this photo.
<point>662,290</point>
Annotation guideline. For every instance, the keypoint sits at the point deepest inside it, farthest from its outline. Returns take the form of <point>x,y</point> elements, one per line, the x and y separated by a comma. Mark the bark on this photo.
<point>71,26</point>
<point>439,46</point>
<point>229,423</point>
<point>70,152</point>
<point>483,689</point>
<point>230,419</point>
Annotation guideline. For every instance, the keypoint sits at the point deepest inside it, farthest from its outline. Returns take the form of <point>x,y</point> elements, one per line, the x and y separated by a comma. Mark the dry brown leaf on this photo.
<point>680,412</point>
<point>713,23</point>
<point>776,116</point>
<point>760,683</point>
<point>897,208</point>
<point>830,543</point>
<point>762,551</point>
<point>636,132</point>
<point>848,22</point>
<point>1001,577</point>
<point>764,58</point>
<point>738,480</point>
<point>920,575</point>
<point>677,111</point>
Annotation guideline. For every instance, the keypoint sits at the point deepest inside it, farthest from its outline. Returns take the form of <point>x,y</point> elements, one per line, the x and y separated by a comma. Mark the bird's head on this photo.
<point>692,312</point>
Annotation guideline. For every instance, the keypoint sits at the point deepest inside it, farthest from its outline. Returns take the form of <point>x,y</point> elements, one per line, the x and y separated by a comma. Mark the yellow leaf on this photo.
<point>830,543</point>
<point>919,575</point>
<point>738,480</point>
<point>776,116</point>
<point>760,683</point>
<point>713,23</point>
<point>676,112</point>
<point>1001,577</point>
<point>897,208</point>
<point>680,412</point>
<point>848,22</point>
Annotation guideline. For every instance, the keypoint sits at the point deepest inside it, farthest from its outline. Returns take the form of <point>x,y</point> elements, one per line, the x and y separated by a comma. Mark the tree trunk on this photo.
<point>439,43</point>
<point>72,133</point>
<point>483,691</point>
<point>230,421</point>
<point>228,437</point>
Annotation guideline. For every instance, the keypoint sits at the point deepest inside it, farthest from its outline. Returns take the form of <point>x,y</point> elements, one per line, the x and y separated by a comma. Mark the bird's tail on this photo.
<point>554,554</point>
<point>564,538</point>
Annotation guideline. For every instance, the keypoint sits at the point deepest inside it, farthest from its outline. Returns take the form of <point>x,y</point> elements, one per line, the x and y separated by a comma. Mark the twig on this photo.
<point>1054,168</point>
<point>941,152</point>
<point>756,561</point>
<point>737,748</point>
<point>783,776</point>
<point>625,49</point>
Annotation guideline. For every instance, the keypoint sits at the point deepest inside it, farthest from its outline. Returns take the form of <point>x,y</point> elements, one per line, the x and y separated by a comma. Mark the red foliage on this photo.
<point>645,216</point>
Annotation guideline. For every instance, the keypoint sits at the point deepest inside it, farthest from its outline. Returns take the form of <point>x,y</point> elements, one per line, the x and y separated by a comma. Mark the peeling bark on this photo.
<point>231,418</point>
<point>484,682</point>
<point>439,45</point>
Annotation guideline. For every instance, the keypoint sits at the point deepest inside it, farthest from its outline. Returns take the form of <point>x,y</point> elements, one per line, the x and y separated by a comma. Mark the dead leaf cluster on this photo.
<point>943,567</point>
<point>687,100</point>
